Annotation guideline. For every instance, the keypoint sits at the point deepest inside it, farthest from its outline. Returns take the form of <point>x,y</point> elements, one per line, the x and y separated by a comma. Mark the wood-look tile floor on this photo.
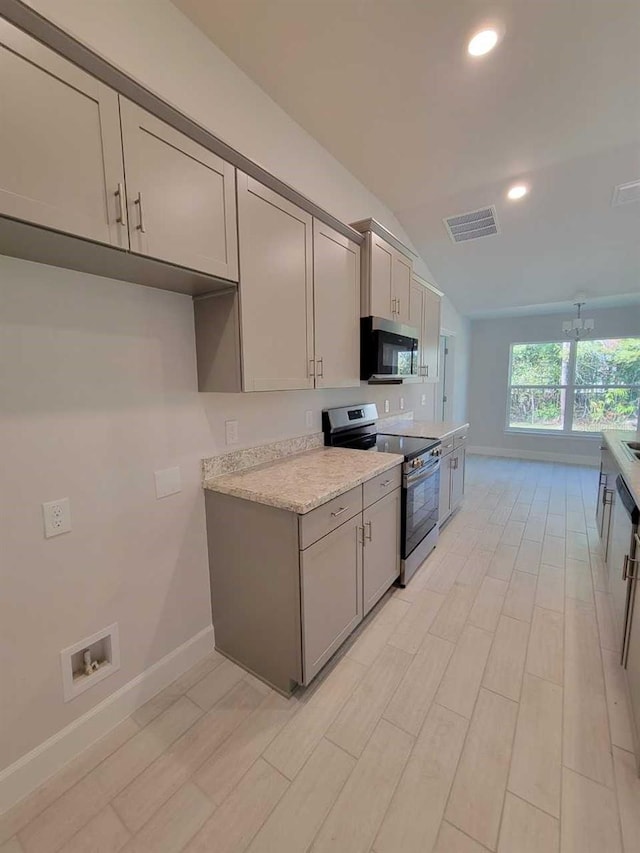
<point>481,708</point>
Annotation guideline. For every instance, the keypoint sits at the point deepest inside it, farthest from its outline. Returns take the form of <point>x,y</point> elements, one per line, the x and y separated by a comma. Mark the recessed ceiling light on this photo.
<point>517,191</point>
<point>483,42</point>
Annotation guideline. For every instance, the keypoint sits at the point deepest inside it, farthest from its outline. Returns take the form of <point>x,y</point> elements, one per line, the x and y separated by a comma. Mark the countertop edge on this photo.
<point>629,469</point>
<point>301,507</point>
<point>396,429</point>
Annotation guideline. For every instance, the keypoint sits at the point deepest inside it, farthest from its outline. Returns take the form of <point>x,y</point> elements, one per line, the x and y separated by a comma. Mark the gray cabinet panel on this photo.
<point>336,300</point>
<point>458,458</point>
<point>181,197</point>
<point>60,148</point>
<point>276,290</point>
<point>381,564</point>
<point>331,594</point>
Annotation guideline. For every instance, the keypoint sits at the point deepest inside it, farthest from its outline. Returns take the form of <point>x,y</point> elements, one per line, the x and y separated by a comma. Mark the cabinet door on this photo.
<point>457,477</point>
<point>416,311</point>
<point>381,548</point>
<point>276,290</point>
<point>445,488</point>
<point>60,149</point>
<point>633,663</point>
<point>181,197</point>
<point>402,270</point>
<point>431,335</point>
<point>336,300</point>
<point>331,591</point>
<point>381,278</point>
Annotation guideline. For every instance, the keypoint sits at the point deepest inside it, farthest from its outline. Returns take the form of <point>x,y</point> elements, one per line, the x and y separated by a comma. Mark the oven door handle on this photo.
<point>416,479</point>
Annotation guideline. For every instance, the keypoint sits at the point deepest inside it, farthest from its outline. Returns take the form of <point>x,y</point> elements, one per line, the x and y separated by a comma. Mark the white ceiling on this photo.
<point>388,88</point>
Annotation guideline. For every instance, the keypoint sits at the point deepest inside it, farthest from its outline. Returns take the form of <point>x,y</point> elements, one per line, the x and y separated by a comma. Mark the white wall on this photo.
<point>489,371</point>
<point>98,390</point>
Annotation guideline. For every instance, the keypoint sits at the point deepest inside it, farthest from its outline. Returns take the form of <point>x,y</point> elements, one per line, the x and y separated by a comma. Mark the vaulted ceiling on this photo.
<point>388,88</point>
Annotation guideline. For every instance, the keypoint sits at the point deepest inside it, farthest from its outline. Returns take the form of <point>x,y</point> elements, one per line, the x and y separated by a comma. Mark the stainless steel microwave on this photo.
<point>388,350</point>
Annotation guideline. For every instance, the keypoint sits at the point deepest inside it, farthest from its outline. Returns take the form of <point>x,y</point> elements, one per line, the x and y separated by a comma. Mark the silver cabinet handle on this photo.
<point>384,484</point>
<point>140,226</point>
<point>339,511</point>
<point>368,524</point>
<point>426,370</point>
<point>312,368</point>
<point>122,206</point>
<point>320,373</point>
<point>398,311</point>
<point>604,497</point>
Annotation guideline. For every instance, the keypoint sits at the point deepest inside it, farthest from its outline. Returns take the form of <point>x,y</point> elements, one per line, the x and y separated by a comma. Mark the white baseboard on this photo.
<point>34,768</point>
<point>537,455</point>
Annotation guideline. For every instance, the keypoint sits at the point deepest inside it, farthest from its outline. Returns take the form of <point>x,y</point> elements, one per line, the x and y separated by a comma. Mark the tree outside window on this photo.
<point>583,386</point>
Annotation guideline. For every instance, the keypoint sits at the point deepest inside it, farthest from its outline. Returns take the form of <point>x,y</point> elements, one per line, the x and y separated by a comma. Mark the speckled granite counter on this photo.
<point>305,481</point>
<point>629,466</point>
<point>422,429</point>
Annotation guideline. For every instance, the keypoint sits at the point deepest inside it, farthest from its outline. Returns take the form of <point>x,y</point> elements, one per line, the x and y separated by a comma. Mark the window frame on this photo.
<point>566,430</point>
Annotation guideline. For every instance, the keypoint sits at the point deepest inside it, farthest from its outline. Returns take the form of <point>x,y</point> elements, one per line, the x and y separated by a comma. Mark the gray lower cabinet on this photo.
<point>331,594</point>
<point>606,497</point>
<point>287,589</point>
<point>381,548</point>
<point>452,472</point>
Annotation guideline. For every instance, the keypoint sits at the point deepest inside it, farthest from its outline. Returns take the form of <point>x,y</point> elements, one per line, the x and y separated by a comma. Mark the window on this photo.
<point>580,387</point>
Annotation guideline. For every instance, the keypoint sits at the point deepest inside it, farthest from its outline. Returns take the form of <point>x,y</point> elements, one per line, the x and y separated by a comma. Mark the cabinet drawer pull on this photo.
<point>122,216</point>
<point>367,524</point>
<point>398,311</point>
<point>426,370</point>
<point>339,511</point>
<point>627,574</point>
<point>312,369</point>
<point>384,484</point>
<point>608,492</point>
<point>320,372</point>
<point>140,226</point>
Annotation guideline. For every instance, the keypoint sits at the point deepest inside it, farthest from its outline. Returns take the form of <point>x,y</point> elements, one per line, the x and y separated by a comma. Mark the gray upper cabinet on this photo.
<point>336,299</point>
<point>60,149</point>
<point>424,314</point>
<point>386,280</point>
<point>181,197</point>
<point>381,547</point>
<point>276,290</point>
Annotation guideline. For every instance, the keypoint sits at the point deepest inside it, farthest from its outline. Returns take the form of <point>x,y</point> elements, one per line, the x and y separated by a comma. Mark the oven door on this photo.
<point>420,497</point>
<point>389,350</point>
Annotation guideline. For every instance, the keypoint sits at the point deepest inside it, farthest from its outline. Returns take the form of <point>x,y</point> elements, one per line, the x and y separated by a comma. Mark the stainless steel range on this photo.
<point>356,427</point>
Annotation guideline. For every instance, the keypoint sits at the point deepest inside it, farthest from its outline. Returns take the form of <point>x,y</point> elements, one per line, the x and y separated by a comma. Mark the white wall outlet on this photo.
<point>168,482</point>
<point>423,400</point>
<point>386,405</point>
<point>231,432</point>
<point>402,404</point>
<point>57,517</point>
<point>308,419</point>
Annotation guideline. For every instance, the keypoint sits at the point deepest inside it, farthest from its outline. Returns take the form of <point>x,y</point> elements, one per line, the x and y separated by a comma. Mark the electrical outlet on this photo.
<point>423,400</point>
<point>168,482</point>
<point>402,404</point>
<point>386,405</point>
<point>231,432</point>
<point>57,517</point>
<point>308,419</point>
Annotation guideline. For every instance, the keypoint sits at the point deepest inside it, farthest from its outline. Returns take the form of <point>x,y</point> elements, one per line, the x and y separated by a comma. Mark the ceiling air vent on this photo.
<point>471,226</point>
<point>625,193</point>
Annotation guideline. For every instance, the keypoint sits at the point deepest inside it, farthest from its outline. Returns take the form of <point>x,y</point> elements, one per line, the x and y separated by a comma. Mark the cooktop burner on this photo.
<point>407,446</point>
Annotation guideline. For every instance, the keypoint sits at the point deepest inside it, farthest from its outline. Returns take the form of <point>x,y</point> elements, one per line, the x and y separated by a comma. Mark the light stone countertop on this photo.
<point>629,466</point>
<point>422,429</point>
<point>304,481</point>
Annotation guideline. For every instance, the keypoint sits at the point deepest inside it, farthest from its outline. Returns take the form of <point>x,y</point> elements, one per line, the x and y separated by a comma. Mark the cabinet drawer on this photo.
<point>447,445</point>
<point>459,440</point>
<point>381,485</point>
<point>327,517</point>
